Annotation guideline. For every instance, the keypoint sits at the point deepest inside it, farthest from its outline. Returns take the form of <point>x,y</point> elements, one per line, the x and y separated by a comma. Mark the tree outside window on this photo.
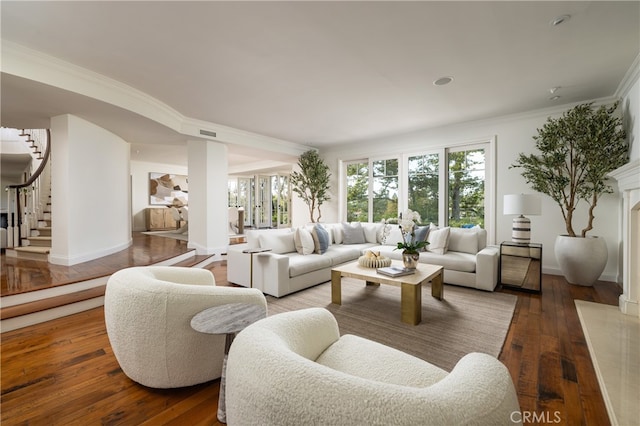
<point>466,188</point>
<point>422,191</point>
<point>385,189</point>
<point>358,192</point>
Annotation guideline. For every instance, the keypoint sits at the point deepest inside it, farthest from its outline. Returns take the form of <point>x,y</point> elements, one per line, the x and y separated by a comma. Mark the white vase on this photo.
<point>581,260</point>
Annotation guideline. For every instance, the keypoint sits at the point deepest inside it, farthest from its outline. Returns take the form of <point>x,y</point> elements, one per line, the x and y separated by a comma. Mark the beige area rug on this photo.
<point>169,234</point>
<point>467,320</point>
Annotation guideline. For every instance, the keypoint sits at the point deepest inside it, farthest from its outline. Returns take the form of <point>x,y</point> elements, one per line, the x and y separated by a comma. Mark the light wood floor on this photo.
<point>64,371</point>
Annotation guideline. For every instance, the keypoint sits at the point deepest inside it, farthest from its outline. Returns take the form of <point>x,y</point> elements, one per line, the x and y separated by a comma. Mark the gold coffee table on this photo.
<point>410,286</point>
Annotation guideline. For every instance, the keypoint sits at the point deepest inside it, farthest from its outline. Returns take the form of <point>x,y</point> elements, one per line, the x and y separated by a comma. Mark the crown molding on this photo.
<point>37,66</point>
<point>225,134</point>
<point>630,78</point>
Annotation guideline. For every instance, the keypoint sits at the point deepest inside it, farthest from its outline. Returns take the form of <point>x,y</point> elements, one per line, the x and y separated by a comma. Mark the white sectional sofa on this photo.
<point>466,258</point>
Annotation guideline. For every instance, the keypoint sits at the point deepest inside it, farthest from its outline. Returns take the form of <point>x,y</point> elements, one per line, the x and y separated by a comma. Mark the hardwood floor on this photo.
<point>20,276</point>
<point>64,371</point>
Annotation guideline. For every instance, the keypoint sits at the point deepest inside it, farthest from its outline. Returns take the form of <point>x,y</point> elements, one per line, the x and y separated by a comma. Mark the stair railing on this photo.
<point>25,204</point>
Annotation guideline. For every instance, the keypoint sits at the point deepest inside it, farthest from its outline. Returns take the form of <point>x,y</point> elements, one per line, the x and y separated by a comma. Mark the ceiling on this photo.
<point>319,73</point>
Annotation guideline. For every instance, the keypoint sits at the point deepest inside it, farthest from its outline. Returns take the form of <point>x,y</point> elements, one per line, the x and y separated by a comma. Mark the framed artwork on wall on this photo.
<point>168,189</point>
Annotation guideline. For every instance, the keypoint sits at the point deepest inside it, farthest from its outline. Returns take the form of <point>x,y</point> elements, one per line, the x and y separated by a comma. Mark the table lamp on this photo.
<point>521,204</point>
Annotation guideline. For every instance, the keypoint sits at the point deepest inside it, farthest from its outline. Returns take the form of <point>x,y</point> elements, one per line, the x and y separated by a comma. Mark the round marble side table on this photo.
<point>227,319</point>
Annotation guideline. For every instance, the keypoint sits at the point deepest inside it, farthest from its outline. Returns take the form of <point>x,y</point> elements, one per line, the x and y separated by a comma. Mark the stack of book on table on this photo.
<point>395,271</point>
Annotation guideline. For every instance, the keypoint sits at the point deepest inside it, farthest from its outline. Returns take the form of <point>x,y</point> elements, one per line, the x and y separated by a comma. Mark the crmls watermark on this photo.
<point>536,417</point>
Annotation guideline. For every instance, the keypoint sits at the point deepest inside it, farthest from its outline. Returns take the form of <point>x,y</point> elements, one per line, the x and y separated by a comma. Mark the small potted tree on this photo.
<point>311,183</point>
<point>577,151</point>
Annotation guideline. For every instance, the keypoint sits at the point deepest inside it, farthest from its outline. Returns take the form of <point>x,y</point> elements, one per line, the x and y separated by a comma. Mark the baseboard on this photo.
<point>604,277</point>
<point>628,306</point>
<point>73,260</point>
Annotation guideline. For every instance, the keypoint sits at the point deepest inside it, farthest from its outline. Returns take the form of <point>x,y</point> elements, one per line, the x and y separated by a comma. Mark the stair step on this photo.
<point>30,253</point>
<point>33,249</point>
<point>45,231</point>
<point>40,241</point>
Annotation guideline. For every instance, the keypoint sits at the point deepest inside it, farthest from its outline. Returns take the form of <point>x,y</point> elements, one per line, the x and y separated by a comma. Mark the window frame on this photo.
<point>488,144</point>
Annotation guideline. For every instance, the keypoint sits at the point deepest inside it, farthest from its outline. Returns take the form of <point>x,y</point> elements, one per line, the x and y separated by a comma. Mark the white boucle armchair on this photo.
<point>309,375</point>
<point>148,313</point>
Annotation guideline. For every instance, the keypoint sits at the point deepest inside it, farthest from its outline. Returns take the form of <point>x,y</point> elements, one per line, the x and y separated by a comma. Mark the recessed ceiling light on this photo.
<point>442,81</point>
<point>554,98</point>
<point>559,20</point>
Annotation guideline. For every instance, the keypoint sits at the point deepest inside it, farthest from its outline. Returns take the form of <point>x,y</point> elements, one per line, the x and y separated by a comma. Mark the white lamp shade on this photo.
<point>522,204</point>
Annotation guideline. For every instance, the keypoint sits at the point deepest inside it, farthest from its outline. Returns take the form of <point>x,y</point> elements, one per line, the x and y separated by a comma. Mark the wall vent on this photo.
<point>207,133</point>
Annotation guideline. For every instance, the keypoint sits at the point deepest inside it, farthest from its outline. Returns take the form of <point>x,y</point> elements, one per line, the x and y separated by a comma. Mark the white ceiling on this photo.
<point>321,73</point>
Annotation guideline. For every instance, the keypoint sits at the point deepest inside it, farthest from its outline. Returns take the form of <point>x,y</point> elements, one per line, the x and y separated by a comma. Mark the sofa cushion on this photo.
<point>278,243</point>
<point>253,235</point>
<point>320,238</point>
<point>353,233</point>
<point>393,237</point>
<point>304,241</point>
<point>342,254</point>
<point>463,240</point>
<point>372,232</point>
<point>452,260</point>
<point>336,232</point>
<point>421,234</point>
<point>438,240</point>
<point>299,265</point>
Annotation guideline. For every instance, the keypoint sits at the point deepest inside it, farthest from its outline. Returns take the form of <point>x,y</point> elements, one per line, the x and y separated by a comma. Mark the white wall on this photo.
<point>513,135</point>
<point>89,193</point>
<point>140,188</point>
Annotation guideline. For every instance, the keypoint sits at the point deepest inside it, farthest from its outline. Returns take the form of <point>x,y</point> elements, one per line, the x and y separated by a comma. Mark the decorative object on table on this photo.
<point>311,183</point>
<point>396,271</point>
<point>410,245</point>
<point>373,259</point>
<point>577,151</point>
<point>521,204</point>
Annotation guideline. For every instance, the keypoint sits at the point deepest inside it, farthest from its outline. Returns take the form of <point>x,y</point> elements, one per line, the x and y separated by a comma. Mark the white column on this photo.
<point>208,198</point>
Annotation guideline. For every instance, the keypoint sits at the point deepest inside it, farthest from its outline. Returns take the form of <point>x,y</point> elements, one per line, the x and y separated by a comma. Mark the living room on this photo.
<point>504,131</point>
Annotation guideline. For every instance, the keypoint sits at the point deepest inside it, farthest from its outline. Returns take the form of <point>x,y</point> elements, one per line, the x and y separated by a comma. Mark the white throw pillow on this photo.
<point>394,237</point>
<point>371,231</point>
<point>353,233</point>
<point>438,240</point>
<point>278,243</point>
<point>303,241</point>
<point>463,240</point>
<point>337,233</point>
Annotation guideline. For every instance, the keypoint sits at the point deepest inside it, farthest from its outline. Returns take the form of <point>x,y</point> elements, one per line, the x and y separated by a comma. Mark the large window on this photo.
<point>446,186</point>
<point>358,192</point>
<point>422,190</point>
<point>385,189</point>
<point>466,188</point>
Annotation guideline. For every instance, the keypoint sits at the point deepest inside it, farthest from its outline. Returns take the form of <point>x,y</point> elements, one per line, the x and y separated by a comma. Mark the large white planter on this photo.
<point>581,260</point>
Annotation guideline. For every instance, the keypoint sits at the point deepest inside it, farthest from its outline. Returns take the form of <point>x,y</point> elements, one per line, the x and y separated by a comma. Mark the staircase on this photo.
<point>29,231</point>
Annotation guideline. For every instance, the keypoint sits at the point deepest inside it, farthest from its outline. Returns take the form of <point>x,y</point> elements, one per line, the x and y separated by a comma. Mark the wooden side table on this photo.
<point>227,319</point>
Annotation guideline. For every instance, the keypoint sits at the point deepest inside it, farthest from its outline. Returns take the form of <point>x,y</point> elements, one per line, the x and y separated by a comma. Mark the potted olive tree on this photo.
<point>311,183</point>
<point>576,152</point>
